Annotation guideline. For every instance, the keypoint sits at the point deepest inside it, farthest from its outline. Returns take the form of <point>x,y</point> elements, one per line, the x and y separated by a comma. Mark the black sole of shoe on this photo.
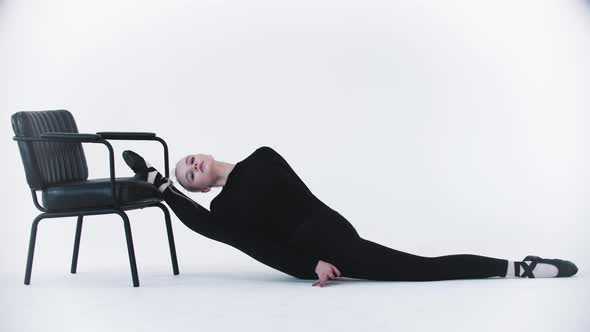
<point>132,159</point>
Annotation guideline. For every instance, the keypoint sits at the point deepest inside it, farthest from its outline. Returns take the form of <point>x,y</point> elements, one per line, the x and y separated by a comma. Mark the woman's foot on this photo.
<point>144,171</point>
<point>537,267</point>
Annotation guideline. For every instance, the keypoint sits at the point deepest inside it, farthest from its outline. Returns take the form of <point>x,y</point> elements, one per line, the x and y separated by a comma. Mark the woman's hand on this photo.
<point>325,271</point>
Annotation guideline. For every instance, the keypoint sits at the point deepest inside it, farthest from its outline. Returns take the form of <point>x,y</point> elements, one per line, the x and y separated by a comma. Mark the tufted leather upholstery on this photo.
<point>96,193</point>
<point>59,169</point>
<point>54,162</point>
<point>48,163</point>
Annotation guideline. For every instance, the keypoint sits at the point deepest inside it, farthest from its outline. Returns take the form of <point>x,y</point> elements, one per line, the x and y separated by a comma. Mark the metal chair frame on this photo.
<point>101,138</point>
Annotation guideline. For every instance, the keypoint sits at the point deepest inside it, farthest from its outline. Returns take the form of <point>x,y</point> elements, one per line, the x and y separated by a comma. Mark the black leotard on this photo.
<point>266,211</point>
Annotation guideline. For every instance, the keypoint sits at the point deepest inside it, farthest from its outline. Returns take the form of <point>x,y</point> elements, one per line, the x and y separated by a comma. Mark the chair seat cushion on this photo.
<point>96,193</point>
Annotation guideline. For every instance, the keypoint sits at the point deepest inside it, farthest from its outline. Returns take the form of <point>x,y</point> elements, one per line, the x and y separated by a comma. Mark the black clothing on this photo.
<point>266,211</point>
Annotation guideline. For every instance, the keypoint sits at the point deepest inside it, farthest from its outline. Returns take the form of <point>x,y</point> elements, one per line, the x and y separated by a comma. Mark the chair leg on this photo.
<point>32,248</point>
<point>130,249</point>
<point>76,244</point>
<point>170,238</point>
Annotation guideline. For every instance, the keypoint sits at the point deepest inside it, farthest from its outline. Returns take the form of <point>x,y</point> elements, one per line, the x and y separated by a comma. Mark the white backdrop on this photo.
<point>433,127</point>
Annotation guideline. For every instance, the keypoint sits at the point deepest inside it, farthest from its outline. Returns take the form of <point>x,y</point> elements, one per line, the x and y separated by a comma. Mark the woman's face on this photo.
<point>195,172</point>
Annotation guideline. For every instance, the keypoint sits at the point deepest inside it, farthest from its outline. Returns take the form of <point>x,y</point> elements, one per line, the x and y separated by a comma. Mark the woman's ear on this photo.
<point>205,190</point>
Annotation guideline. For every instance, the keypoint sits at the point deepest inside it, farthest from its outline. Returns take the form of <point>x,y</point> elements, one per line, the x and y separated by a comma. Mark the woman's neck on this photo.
<point>222,169</point>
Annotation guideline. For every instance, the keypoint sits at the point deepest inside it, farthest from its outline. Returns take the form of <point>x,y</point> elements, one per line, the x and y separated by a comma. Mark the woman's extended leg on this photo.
<point>365,259</point>
<point>337,242</point>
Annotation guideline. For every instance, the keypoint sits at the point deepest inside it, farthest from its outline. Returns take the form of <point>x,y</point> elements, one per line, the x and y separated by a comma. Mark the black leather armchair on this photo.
<point>54,163</point>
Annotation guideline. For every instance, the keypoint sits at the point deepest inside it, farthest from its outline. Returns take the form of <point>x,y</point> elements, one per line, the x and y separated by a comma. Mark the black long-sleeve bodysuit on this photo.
<point>266,211</point>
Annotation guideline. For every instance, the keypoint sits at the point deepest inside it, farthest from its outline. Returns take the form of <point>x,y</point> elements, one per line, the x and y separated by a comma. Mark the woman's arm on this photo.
<point>196,217</point>
<point>270,252</point>
<point>278,255</point>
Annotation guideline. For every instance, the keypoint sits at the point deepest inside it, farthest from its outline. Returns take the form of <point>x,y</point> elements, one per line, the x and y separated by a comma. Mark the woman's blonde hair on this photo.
<point>174,179</point>
<point>173,175</point>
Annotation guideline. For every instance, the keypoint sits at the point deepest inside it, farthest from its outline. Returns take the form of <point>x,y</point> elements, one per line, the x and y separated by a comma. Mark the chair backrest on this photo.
<point>49,163</point>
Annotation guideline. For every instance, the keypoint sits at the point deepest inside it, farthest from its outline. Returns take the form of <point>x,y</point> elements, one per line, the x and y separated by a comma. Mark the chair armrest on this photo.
<point>126,135</point>
<point>138,136</point>
<point>76,137</point>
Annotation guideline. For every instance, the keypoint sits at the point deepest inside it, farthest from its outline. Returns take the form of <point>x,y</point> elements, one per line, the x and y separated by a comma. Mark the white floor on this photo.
<point>255,298</point>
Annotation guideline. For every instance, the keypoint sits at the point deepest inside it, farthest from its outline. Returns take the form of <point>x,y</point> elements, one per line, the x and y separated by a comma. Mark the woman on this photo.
<point>265,210</point>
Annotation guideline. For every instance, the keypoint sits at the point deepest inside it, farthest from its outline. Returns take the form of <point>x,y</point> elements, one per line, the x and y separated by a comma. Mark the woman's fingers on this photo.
<point>324,276</point>
<point>321,282</point>
<point>337,271</point>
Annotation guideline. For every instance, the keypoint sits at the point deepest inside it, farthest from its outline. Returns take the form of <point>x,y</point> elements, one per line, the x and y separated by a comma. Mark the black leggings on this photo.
<point>365,259</point>
<point>353,255</point>
<point>360,258</point>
